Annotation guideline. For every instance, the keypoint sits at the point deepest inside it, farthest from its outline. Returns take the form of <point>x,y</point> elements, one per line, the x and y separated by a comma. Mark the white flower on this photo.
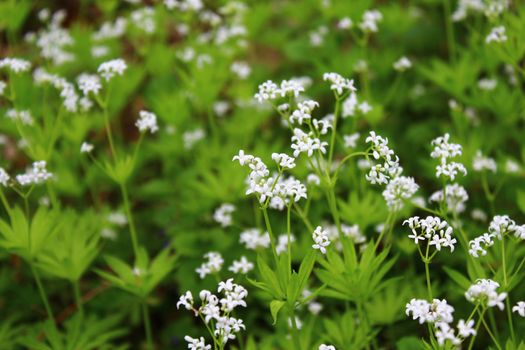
<point>111,68</point>
<point>481,163</point>
<point>212,265</point>
<point>496,35</point>
<point>15,65</point>
<point>350,141</point>
<point>389,169</point>
<point>402,64</point>
<point>196,343</point>
<point>306,143</point>
<point>241,69</point>
<point>290,88</point>
<point>484,292</point>
<point>4,177</point>
<point>117,218</point>
<point>190,138</point>
<point>283,160</point>
<point>436,312</point>
<point>364,107</point>
<point>436,231</point>
<point>512,167</point>
<point>282,243</point>
<point>466,329</point>
<point>147,121</point>
<point>89,83</point>
<point>86,147</point>
<point>326,347</point>
<point>23,116</point>
<point>444,151</point>
<point>370,20</point>
<point>398,190</point>
<point>220,108</point>
<point>321,239</point>
<point>254,239</point>
<point>338,83</point>
<point>349,106</point>
<point>344,23</point>
<point>519,308</point>
<point>3,85</point>
<point>143,19</point>
<point>241,266</point>
<point>487,84</point>
<point>222,214</point>
<point>456,197</point>
<point>37,174</point>
<point>267,91</point>
<point>303,111</point>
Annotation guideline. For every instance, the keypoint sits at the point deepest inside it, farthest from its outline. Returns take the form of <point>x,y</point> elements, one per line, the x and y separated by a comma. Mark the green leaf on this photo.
<point>275,307</point>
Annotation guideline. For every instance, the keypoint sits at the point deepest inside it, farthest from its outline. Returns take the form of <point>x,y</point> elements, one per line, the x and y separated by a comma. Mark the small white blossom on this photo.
<point>402,64</point>
<point>283,160</point>
<point>241,266</point>
<point>496,35</point>
<point>111,68</point>
<point>37,174</point>
<point>484,292</point>
<point>212,265</point>
<point>338,83</point>
<point>147,121</point>
<point>350,141</point>
<point>519,308</point>
<point>86,147</point>
<point>89,83</point>
<point>369,22</point>
<point>15,65</point>
<point>321,239</point>
<point>4,177</point>
<point>481,163</point>
<point>222,214</point>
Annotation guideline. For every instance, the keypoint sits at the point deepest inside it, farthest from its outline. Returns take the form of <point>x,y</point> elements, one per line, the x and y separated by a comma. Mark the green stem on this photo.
<point>288,230</point>
<point>295,332</point>
<point>334,133</point>
<point>427,273</point>
<point>487,328</point>
<point>132,229</point>
<point>78,299</point>
<point>506,284</point>
<point>270,233</point>
<point>473,339</point>
<point>147,325</point>
<point>43,295</point>
<point>450,31</point>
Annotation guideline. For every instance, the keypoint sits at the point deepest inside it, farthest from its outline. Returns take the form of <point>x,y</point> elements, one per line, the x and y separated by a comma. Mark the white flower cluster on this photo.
<point>89,83</point>
<point>484,292</point>
<point>351,104</point>
<point>369,21</point>
<point>3,85</point>
<point>306,143</point>
<point>216,311</point>
<point>382,173</point>
<point>190,138</point>
<point>67,90</point>
<point>242,265</point>
<point>37,174</point>
<point>23,117</point>
<point>109,30</point>
<point>280,191</point>
<point>241,69</point>
<point>197,343</point>
<point>147,121</point>
<point>353,232</point>
<point>437,232</point>
<point>402,64</point>
<point>86,147</point>
<point>482,163</point>
<point>455,195</point>
<point>500,226</point>
<point>111,68</point>
<point>213,265</point>
<point>4,177</point>
<point>444,151</point>
<point>440,314</point>
<point>303,112</point>
<point>339,84</point>
<point>283,160</point>
<point>254,239</point>
<point>144,19</point>
<point>490,9</point>
<point>53,39</point>
<point>282,243</point>
<point>15,65</point>
<point>321,239</point>
<point>398,190</point>
<point>496,35</point>
<point>223,214</point>
<point>269,91</point>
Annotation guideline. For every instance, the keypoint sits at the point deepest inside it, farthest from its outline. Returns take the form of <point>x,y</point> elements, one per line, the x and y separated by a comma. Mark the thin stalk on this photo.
<point>487,328</point>
<point>506,283</point>
<point>132,229</point>
<point>270,232</point>
<point>295,332</point>
<point>43,294</point>
<point>147,325</point>
<point>451,44</point>
<point>78,299</point>
<point>288,230</point>
<point>334,133</point>
<point>427,273</point>
<point>472,340</point>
